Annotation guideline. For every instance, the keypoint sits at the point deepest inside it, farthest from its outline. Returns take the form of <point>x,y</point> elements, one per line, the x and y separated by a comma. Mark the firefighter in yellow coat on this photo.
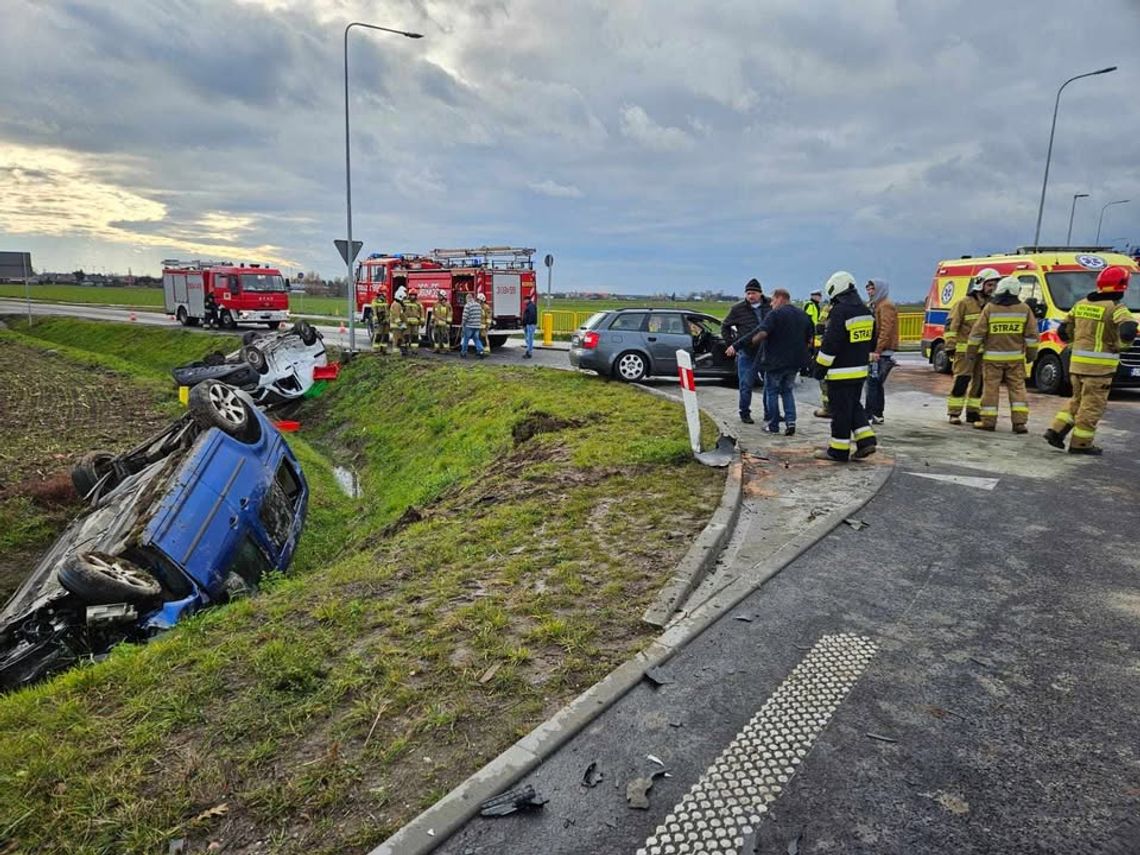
<point>398,325</point>
<point>1097,329</point>
<point>967,389</point>
<point>380,328</point>
<point>1006,333</point>
<point>441,326</point>
<point>414,318</point>
<point>486,325</point>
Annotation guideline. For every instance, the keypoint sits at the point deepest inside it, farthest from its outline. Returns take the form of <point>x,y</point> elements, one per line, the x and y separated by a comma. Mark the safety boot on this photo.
<point>955,420</point>
<point>864,452</point>
<point>821,454</point>
<point>980,425</point>
<point>972,417</point>
<point>1054,439</point>
<point>1020,429</point>
<point>822,414</point>
<point>1086,449</point>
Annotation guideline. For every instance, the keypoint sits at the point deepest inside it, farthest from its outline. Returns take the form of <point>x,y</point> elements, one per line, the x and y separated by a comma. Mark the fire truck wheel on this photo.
<point>214,404</point>
<point>497,341</point>
<point>226,319</point>
<point>183,316</point>
<point>91,467</point>
<point>631,367</point>
<point>254,358</point>
<point>307,333</point>
<point>97,578</point>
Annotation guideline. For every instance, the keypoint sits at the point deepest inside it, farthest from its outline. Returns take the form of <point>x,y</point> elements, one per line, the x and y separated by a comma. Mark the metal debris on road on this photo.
<point>720,456</point>
<point>879,737</point>
<point>858,525</point>
<point>658,676</point>
<point>593,775</point>
<point>637,790</point>
<point>653,759</point>
<point>744,618</point>
<point>521,798</point>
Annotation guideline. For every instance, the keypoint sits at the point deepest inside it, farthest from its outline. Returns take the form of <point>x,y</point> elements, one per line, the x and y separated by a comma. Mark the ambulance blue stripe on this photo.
<point>937,316</point>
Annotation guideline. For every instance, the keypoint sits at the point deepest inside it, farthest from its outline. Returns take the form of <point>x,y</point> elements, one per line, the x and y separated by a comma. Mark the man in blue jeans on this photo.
<point>742,321</point>
<point>530,321</point>
<point>787,334</point>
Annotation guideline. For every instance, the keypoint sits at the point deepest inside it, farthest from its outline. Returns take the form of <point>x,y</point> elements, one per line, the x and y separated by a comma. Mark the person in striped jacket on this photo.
<point>1006,335</point>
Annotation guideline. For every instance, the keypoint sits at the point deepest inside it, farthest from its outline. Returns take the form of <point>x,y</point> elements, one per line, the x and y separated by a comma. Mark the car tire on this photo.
<point>226,320</point>
<point>97,579</point>
<point>940,359</point>
<point>90,470</point>
<point>250,337</point>
<point>214,404</point>
<point>631,367</point>
<point>307,332</point>
<point>255,359</point>
<point>1049,374</point>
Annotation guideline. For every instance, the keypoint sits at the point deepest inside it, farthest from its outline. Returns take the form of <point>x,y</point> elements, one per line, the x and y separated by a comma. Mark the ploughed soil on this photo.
<point>51,413</point>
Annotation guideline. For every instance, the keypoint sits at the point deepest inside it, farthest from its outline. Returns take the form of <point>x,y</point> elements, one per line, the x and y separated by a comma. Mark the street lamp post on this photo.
<point>1100,222</point>
<point>348,253</point>
<point>1049,154</point>
<point>1072,210</point>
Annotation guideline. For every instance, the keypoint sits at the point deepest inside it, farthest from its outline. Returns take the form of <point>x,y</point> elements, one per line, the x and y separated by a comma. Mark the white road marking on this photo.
<point>728,801</point>
<point>962,480</point>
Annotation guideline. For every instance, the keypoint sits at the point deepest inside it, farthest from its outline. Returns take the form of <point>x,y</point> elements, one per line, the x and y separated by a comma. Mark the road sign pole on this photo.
<point>27,290</point>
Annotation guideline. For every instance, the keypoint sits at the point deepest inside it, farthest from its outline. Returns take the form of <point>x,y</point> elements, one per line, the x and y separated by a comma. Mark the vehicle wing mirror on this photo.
<point>1036,306</point>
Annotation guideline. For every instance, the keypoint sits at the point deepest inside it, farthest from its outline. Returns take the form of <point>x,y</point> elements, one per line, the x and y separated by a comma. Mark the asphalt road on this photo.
<point>996,588</point>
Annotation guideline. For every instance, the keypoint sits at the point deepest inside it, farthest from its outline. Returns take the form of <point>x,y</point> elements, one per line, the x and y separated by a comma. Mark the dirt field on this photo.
<point>51,412</point>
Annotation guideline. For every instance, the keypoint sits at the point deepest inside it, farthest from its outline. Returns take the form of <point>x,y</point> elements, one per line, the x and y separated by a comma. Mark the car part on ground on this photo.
<point>193,516</point>
<point>273,367</point>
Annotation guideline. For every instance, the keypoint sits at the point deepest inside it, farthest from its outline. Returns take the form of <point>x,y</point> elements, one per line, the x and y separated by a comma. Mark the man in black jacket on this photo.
<point>530,322</point>
<point>742,320</point>
<point>844,358</point>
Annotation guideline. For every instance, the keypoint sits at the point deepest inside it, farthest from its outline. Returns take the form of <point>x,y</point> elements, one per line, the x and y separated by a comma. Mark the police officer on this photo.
<point>814,309</point>
<point>399,326</point>
<point>844,360</point>
<point>967,389</point>
<point>380,326</point>
<point>413,317</point>
<point>486,322</point>
<point>441,325</point>
<point>1097,329</point>
<point>1006,336</point>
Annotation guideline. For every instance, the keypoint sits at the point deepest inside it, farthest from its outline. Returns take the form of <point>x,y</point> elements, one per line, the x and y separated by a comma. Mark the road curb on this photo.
<point>434,826</point>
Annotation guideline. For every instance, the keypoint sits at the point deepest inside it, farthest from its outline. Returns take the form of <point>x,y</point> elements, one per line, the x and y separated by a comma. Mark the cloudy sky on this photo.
<point>647,145</point>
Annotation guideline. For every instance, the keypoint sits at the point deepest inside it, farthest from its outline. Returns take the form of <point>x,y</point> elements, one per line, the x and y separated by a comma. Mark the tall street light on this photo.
<point>1049,154</point>
<point>1100,222</point>
<point>1072,210</point>
<point>349,255</point>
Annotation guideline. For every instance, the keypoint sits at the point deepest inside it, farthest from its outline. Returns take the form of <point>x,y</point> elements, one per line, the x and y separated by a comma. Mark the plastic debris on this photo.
<point>593,775</point>
<point>520,798</point>
<point>879,737</point>
<point>858,525</point>
<point>659,676</point>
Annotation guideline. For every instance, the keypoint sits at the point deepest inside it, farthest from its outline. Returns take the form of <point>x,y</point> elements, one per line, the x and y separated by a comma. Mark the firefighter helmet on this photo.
<point>984,276</point>
<point>1114,279</point>
<point>839,283</point>
<point>1008,285</point>
<point>412,295</point>
<point>481,297</point>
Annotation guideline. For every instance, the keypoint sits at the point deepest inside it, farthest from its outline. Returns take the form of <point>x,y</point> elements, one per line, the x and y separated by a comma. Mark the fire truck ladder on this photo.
<point>504,257</point>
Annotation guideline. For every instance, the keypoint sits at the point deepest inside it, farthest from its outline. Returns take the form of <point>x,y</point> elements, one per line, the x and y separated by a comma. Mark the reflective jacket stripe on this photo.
<point>855,372</point>
<point>1003,356</point>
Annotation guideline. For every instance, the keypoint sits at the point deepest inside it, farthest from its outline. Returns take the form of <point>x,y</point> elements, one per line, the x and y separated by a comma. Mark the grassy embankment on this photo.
<point>513,525</point>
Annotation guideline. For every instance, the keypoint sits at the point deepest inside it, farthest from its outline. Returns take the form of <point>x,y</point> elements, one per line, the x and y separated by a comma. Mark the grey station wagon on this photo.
<point>632,344</point>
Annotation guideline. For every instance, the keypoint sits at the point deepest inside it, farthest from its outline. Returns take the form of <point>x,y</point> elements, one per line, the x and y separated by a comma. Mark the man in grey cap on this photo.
<point>742,320</point>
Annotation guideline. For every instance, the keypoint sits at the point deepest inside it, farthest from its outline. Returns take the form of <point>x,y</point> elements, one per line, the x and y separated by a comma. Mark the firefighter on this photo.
<point>414,318</point>
<point>210,310</point>
<point>380,327</point>
<point>397,323</point>
<point>824,411</point>
<point>844,361</point>
<point>441,326</point>
<point>1097,328</point>
<point>486,323</point>
<point>967,389</point>
<point>1005,334</point>
<point>813,308</point>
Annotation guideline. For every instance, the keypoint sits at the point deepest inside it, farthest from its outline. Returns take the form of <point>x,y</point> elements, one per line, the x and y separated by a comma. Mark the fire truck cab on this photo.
<point>504,275</point>
<point>241,293</point>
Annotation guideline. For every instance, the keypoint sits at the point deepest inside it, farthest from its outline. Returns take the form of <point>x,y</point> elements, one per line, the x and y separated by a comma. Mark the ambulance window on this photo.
<point>1030,288</point>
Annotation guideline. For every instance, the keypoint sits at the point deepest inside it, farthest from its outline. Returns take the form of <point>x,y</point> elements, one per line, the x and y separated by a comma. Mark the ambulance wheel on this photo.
<point>631,367</point>
<point>1049,374</point>
<point>214,404</point>
<point>226,319</point>
<point>940,359</point>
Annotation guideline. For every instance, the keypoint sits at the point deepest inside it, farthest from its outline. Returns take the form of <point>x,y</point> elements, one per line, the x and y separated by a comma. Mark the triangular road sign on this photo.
<point>342,248</point>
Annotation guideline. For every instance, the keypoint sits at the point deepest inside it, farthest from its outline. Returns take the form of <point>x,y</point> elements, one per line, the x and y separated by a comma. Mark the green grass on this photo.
<point>303,716</point>
<point>113,296</point>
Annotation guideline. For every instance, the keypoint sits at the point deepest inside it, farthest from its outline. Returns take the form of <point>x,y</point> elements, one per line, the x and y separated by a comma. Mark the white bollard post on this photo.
<point>689,395</point>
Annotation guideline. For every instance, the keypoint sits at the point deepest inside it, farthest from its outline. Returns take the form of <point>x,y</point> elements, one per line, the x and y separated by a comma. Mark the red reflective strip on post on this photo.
<point>687,381</point>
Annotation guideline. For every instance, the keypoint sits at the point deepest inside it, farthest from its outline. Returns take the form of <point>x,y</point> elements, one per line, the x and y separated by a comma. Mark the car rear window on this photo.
<point>629,322</point>
<point>594,320</point>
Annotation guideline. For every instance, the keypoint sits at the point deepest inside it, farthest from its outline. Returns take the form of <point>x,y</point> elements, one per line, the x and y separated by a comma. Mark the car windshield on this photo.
<point>1069,287</point>
<point>262,282</point>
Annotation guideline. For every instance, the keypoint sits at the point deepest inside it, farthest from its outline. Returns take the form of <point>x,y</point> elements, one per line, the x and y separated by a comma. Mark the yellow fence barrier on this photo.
<point>563,323</point>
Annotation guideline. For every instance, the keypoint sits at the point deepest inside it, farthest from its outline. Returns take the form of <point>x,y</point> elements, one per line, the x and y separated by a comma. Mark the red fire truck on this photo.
<point>243,294</point>
<point>504,274</point>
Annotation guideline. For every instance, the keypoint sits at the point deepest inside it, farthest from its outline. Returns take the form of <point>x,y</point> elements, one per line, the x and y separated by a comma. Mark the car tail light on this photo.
<point>590,340</point>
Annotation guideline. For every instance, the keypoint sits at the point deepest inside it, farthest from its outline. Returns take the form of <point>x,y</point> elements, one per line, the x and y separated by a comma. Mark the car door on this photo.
<point>665,334</point>
<point>708,347</point>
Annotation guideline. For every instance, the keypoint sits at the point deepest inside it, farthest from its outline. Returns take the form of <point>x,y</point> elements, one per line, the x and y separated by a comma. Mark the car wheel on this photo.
<point>940,360</point>
<point>307,332</point>
<point>183,316</point>
<point>631,367</point>
<point>255,359</point>
<point>250,337</point>
<point>89,471</point>
<point>214,404</point>
<point>1048,374</point>
<point>97,578</point>
<point>226,319</point>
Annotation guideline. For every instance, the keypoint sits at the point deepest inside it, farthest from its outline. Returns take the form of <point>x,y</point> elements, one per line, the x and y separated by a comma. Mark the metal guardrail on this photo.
<point>910,323</point>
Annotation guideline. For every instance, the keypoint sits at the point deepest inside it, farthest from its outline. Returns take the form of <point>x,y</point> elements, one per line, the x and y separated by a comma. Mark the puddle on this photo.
<point>347,481</point>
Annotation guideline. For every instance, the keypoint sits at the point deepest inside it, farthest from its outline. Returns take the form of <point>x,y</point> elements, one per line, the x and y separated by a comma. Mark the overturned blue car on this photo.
<point>194,516</point>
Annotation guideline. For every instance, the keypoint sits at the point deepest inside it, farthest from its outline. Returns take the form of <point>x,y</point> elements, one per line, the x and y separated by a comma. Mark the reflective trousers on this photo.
<point>1084,409</point>
<point>1012,374</point>
<point>848,419</point>
<point>967,389</point>
<point>440,337</point>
